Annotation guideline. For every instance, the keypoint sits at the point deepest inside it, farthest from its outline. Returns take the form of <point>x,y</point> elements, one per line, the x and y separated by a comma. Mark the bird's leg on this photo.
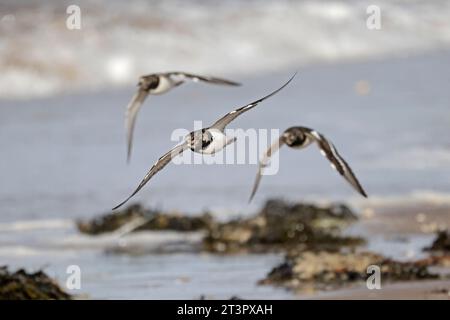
<point>230,141</point>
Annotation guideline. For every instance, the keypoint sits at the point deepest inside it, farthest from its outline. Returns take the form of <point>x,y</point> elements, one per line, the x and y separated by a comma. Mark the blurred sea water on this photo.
<point>65,155</point>
<point>64,158</point>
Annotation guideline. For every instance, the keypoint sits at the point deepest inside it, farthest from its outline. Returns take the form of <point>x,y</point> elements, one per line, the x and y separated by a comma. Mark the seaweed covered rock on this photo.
<point>144,219</point>
<point>21,285</point>
<point>328,270</point>
<point>441,243</point>
<point>280,226</point>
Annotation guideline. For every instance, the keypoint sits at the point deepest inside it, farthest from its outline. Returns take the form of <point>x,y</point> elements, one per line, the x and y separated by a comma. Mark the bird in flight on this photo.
<point>155,84</point>
<point>205,141</point>
<point>301,137</point>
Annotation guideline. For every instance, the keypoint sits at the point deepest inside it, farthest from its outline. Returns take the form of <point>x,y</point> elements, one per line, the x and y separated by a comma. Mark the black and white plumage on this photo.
<point>155,84</point>
<point>301,137</point>
<point>206,141</point>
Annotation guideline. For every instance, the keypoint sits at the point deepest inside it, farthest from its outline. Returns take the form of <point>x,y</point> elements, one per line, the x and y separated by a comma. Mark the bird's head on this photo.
<point>294,137</point>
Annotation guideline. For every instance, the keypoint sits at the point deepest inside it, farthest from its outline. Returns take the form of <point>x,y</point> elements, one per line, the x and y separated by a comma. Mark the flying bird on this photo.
<point>205,141</point>
<point>155,84</point>
<point>301,137</point>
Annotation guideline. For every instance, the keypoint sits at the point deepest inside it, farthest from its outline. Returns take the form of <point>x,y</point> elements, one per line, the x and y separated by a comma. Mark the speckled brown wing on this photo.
<point>226,119</point>
<point>337,162</point>
<point>130,116</point>
<point>196,78</point>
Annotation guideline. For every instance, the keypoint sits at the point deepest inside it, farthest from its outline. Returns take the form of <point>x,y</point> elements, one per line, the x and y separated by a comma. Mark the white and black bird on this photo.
<point>301,137</point>
<point>206,141</point>
<point>155,84</point>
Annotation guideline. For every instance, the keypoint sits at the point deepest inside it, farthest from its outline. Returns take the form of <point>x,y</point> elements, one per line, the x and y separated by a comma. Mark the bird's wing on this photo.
<point>225,120</point>
<point>130,116</point>
<point>263,163</point>
<point>196,78</point>
<point>161,163</point>
<point>337,162</point>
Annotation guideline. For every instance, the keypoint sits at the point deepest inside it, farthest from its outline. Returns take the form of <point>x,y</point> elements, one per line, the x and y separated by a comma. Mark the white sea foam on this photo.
<point>150,240</point>
<point>18,251</point>
<point>120,40</point>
